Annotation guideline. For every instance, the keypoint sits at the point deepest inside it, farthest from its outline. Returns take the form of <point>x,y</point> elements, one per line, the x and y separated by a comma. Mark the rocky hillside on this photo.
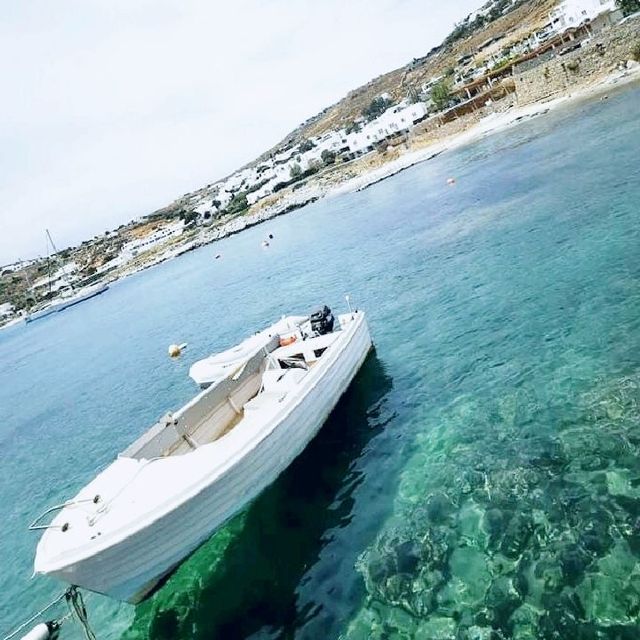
<point>516,18</point>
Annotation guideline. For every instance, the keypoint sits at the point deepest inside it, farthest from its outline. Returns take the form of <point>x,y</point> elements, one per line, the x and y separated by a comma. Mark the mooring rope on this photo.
<point>76,604</point>
<point>35,616</point>
<point>77,608</point>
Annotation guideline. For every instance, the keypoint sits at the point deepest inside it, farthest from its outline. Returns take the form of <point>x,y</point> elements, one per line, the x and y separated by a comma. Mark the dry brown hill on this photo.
<point>516,24</point>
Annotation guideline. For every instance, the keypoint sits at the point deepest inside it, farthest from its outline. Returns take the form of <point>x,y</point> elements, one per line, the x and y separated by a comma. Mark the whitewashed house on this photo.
<point>397,119</point>
<point>573,13</point>
<point>151,240</point>
<point>57,280</point>
<point>6,310</point>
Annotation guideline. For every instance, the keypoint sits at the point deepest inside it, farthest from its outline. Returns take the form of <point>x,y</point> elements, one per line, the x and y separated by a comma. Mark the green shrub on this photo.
<point>238,203</point>
<point>377,107</point>
<point>328,157</point>
<point>295,171</point>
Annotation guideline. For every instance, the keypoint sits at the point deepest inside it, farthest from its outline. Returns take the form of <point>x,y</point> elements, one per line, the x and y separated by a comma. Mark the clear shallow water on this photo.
<point>480,479</point>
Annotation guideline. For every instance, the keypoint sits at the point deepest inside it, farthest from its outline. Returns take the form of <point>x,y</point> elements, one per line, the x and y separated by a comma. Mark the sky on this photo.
<point>111,109</point>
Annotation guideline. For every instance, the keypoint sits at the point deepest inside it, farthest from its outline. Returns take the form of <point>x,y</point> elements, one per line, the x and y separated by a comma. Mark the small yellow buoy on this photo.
<point>176,350</point>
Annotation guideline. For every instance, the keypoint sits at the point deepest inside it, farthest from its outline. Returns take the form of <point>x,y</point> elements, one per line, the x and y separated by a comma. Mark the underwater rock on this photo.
<point>436,629</point>
<point>475,632</point>
<point>397,623</point>
<point>407,556</point>
<point>595,536</point>
<point>469,481</point>
<point>437,544</point>
<point>607,600</point>
<point>495,523</point>
<point>522,523</point>
<point>562,619</point>
<point>439,508</point>
<point>633,536</point>
<point>502,599</point>
<point>469,526</point>
<point>470,567</point>
<point>574,562</point>
<point>547,570</point>
<point>619,484</point>
<point>397,589</point>
<point>524,623</point>
<point>517,535</point>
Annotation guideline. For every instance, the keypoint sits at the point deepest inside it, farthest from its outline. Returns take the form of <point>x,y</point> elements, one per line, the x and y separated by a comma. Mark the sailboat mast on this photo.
<point>48,260</point>
<point>55,250</point>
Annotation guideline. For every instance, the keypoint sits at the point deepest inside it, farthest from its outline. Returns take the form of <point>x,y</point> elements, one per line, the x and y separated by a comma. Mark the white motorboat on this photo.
<point>194,469</point>
<point>217,366</point>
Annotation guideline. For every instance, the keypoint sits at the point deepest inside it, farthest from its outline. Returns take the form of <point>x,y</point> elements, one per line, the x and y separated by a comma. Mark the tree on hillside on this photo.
<point>352,127</point>
<point>188,217</point>
<point>328,157</point>
<point>238,203</point>
<point>413,95</point>
<point>296,171</point>
<point>628,6</point>
<point>306,145</point>
<point>441,95</point>
<point>376,107</point>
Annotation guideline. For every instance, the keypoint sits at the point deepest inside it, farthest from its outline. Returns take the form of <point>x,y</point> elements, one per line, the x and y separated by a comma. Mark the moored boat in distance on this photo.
<point>68,299</point>
<point>186,476</point>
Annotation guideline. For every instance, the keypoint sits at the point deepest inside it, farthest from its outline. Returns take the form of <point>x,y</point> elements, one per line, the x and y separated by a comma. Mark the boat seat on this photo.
<point>263,400</point>
<point>271,378</point>
<point>278,380</point>
<point>276,383</point>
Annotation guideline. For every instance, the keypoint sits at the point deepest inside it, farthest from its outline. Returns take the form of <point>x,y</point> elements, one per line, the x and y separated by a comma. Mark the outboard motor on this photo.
<point>322,321</point>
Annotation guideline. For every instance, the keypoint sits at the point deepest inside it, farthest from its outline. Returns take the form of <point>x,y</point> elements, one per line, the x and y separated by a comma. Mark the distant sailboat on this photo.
<point>70,295</point>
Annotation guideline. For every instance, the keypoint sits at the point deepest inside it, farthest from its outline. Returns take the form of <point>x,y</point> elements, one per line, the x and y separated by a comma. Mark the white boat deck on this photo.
<point>195,468</point>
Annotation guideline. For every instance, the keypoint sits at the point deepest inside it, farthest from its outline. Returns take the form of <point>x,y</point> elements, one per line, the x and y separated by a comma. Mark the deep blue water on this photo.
<point>480,479</point>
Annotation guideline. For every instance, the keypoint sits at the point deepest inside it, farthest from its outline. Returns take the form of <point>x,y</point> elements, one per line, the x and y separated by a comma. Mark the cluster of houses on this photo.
<point>477,68</point>
<point>148,242</point>
<point>474,74</point>
<point>359,138</point>
<point>567,16</point>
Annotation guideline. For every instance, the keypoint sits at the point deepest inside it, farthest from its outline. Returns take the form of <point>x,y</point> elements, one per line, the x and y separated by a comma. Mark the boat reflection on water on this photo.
<point>247,575</point>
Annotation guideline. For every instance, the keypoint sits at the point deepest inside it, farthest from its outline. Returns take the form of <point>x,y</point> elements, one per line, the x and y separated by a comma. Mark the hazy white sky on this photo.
<point>113,108</point>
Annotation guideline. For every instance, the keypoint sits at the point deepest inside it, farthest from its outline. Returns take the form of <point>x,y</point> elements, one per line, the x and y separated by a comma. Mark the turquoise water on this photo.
<point>480,479</point>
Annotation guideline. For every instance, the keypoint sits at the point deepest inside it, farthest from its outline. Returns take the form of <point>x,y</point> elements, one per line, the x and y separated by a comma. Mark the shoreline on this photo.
<point>312,192</point>
<point>503,121</point>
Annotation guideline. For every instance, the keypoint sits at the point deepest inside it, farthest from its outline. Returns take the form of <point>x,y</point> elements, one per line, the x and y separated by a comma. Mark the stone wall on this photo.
<point>600,56</point>
<point>432,130</point>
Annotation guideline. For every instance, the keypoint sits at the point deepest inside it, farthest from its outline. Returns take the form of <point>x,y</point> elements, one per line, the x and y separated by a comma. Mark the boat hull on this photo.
<point>63,304</point>
<point>130,569</point>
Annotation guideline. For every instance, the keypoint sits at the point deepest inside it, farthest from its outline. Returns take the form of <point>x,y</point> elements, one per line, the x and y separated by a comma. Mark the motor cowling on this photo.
<point>322,321</point>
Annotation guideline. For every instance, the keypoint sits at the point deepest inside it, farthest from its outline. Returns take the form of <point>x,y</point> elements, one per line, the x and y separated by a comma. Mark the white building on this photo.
<point>152,240</point>
<point>59,279</point>
<point>572,13</point>
<point>397,119</point>
<point>6,310</point>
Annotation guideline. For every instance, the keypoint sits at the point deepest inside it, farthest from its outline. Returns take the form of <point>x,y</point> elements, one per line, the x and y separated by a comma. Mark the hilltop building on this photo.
<point>574,13</point>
